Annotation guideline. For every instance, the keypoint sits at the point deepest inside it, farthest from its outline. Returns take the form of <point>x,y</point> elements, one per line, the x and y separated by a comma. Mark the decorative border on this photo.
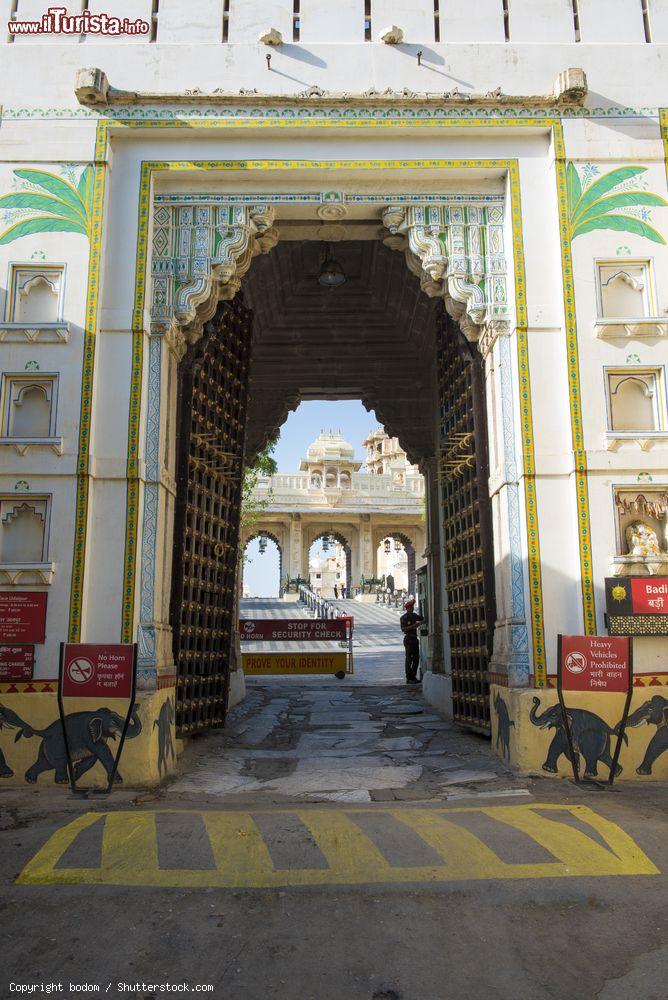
<point>90,331</point>
<point>574,396</point>
<point>317,111</point>
<point>511,167</point>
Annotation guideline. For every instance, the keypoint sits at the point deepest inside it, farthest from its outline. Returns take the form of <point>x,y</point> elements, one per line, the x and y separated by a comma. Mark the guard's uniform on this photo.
<point>411,643</point>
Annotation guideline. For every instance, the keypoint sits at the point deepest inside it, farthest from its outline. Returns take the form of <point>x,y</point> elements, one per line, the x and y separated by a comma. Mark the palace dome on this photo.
<point>330,447</point>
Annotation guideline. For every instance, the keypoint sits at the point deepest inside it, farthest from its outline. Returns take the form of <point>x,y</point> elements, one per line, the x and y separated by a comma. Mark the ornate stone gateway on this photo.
<point>213,399</point>
<point>467,529</point>
<point>452,250</point>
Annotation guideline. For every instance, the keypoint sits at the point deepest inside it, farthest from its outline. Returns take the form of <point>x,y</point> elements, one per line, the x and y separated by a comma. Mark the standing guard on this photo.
<point>409,622</point>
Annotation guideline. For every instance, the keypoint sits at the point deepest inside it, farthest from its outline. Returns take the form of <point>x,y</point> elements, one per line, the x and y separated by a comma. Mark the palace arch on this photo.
<point>387,337</point>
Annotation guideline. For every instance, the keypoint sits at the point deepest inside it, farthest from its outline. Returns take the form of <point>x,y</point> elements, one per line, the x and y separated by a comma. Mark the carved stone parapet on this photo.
<point>456,249</point>
<point>200,253</point>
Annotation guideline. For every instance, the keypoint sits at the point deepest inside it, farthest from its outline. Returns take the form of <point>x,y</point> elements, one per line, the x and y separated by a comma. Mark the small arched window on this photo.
<point>634,406</point>
<point>22,531</point>
<point>624,291</point>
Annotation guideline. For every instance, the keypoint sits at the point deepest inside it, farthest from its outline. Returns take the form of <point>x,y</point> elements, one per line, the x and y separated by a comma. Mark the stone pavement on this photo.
<point>332,742</point>
<point>338,840</point>
<point>377,640</point>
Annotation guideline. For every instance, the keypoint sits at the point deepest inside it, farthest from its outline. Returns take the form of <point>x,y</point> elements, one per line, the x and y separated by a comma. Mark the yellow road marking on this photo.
<point>129,845</point>
<point>242,858</point>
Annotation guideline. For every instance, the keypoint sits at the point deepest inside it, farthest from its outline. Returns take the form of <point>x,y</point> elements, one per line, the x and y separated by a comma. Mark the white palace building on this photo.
<point>455,213</point>
<point>370,524</point>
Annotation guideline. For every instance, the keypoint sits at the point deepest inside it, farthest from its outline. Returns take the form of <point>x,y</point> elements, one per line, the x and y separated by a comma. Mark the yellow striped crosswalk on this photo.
<point>576,840</point>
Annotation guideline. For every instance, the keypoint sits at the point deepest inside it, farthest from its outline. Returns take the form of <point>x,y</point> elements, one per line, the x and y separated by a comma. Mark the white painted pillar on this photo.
<point>481,21</point>
<point>541,21</point>
<point>250,20</point>
<point>414,17</point>
<point>611,21</point>
<point>317,18</point>
<point>183,21</point>
<point>658,20</point>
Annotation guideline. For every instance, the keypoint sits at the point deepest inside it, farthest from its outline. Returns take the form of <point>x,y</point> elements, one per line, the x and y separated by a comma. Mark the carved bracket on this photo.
<point>200,253</point>
<point>457,251</point>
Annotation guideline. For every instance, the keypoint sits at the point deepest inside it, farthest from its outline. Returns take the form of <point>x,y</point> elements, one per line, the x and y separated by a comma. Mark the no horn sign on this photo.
<point>95,671</point>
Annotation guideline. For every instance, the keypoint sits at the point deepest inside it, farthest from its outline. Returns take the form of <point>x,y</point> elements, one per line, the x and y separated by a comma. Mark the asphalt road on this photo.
<point>338,842</point>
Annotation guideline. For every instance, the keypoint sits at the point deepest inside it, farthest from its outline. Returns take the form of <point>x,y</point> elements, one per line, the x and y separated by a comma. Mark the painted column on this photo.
<point>295,569</point>
<point>154,634</point>
<point>510,655</point>
<point>434,554</point>
<point>366,548</point>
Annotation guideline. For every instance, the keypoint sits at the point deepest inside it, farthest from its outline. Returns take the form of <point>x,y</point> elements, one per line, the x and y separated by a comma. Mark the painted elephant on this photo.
<point>164,724</point>
<point>655,713</point>
<point>87,734</point>
<point>591,737</point>
<point>8,720</point>
<point>503,724</point>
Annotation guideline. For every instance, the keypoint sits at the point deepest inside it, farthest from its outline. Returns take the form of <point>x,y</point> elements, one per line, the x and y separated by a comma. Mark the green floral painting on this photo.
<point>615,200</point>
<point>49,204</point>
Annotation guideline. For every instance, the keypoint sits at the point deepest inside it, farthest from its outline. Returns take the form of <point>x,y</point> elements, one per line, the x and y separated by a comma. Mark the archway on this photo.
<point>261,553</point>
<point>332,565</point>
<point>377,312</point>
<point>402,570</point>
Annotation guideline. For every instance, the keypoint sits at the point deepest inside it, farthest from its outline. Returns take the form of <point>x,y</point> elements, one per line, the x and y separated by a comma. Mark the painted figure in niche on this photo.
<point>653,712</point>
<point>642,540</point>
<point>591,737</point>
<point>164,724</point>
<point>503,724</point>
<point>87,734</point>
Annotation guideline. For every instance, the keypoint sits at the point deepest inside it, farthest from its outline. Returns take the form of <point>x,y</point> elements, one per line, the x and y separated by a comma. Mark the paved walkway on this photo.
<point>378,643</point>
<point>332,742</point>
<point>338,840</point>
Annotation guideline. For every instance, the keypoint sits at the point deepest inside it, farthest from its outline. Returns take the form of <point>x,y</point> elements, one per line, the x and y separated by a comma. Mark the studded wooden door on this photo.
<point>467,526</point>
<point>213,395</point>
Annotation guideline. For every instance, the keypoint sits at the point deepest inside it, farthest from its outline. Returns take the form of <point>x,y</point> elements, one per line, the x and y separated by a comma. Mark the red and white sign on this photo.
<point>23,616</point>
<point>649,595</point>
<point>17,663</point>
<point>91,670</point>
<point>295,629</point>
<point>595,663</point>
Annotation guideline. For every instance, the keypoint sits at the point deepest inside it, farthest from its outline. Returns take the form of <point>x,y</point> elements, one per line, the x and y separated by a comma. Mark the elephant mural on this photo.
<point>9,720</point>
<point>503,724</point>
<point>654,712</point>
<point>591,737</point>
<point>87,734</point>
<point>164,724</point>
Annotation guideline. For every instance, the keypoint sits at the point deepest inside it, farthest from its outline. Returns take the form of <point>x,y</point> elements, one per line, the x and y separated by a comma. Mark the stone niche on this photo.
<point>642,531</point>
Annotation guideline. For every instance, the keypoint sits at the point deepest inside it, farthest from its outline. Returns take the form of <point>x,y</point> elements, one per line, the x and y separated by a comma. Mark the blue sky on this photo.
<point>297,433</point>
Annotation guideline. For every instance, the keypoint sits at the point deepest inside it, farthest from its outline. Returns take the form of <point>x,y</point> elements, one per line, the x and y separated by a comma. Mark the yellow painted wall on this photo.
<point>139,765</point>
<point>528,745</point>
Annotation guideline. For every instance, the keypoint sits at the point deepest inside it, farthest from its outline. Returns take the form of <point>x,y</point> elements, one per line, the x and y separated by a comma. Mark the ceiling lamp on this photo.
<point>263,544</point>
<point>325,543</point>
<point>331,274</point>
<point>387,545</point>
<point>397,545</point>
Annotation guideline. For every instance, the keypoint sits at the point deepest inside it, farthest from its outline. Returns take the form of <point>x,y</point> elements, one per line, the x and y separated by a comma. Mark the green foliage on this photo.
<point>62,209</point>
<point>594,208</point>
<point>251,506</point>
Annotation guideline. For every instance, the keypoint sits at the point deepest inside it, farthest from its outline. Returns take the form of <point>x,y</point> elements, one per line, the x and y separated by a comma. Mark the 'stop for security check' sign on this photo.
<point>296,629</point>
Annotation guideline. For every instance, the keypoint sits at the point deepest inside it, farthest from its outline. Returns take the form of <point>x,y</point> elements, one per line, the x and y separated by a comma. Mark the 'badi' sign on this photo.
<point>595,663</point>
